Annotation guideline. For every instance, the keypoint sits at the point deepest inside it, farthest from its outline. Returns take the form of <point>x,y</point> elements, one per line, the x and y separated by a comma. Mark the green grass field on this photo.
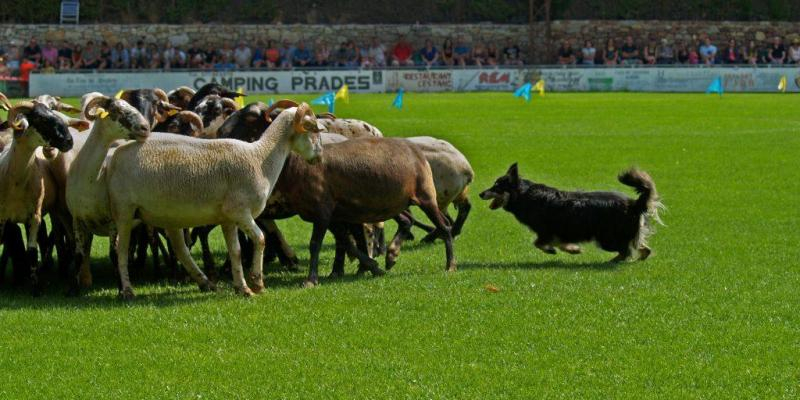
<point>712,314</point>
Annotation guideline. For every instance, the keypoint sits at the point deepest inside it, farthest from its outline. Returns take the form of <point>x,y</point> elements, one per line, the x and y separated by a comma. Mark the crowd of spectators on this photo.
<point>261,54</point>
<point>702,51</point>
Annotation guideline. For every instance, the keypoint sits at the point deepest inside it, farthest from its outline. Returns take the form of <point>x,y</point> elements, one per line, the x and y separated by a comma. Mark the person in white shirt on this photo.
<point>242,55</point>
<point>588,52</point>
<point>794,52</point>
<point>377,53</point>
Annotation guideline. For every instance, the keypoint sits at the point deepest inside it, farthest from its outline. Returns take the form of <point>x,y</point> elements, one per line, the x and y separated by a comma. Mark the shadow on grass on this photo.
<point>551,264</point>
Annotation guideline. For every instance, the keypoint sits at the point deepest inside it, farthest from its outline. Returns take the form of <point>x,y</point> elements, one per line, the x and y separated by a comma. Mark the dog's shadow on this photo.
<point>543,265</point>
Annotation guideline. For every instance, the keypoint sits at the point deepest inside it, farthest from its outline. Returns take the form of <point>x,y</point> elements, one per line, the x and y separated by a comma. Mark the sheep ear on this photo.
<point>78,124</point>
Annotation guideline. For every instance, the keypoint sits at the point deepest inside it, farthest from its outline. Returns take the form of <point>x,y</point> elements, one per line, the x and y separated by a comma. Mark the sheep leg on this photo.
<point>124,229</point>
<point>341,249</point>
<point>46,244</point>
<point>32,230</point>
<point>360,249</point>
<point>285,253</point>
<point>464,208</point>
<point>314,246</point>
<point>208,258</point>
<point>178,243</point>
<point>235,255</point>
<point>251,229</point>
<point>379,240</point>
<point>404,223</point>
<point>443,229</point>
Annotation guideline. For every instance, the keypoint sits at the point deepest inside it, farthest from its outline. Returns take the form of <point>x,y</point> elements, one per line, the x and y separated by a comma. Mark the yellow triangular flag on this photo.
<point>782,84</point>
<point>344,94</point>
<point>240,99</point>
<point>540,87</point>
<point>119,94</point>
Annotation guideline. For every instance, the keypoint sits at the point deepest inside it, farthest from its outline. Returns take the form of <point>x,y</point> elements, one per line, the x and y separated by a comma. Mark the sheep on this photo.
<point>87,188</point>
<point>28,191</point>
<point>184,123</point>
<point>176,182</point>
<point>85,100</point>
<point>213,110</point>
<point>181,96</point>
<point>350,128</point>
<point>153,104</point>
<point>209,89</point>
<point>55,103</point>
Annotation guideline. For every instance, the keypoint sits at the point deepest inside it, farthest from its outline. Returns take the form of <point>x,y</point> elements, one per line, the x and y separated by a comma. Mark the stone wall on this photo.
<point>576,31</point>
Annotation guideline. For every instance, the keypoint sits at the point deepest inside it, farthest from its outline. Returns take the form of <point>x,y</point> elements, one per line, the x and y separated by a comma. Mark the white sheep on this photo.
<point>176,182</point>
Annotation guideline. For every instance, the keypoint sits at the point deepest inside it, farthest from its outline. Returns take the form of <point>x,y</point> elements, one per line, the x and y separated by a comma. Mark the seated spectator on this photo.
<point>4,70</point>
<point>169,56</point>
<point>751,53</point>
<point>401,52</point>
<point>286,52</point>
<point>479,54</point>
<point>665,54</point>
<point>566,56</point>
<point>447,53</point>
<point>351,55</point>
<point>120,57</point>
<point>259,60</point>
<point>211,56</point>
<point>322,54</point>
<point>694,57</point>
<point>65,56</point>
<point>138,55</point>
<point>301,56</point>
<point>629,52</point>
<point>492,54</point>
<point>682,55</point>
<point>154,57</point>
<point>794,52</point>
<point>611,54</point>
<point>242,55</point>
<point>708,52</point>
<point>377,53</point>
<point>50,54</point>
<point>588,53</point>
<point>105,55</point>
<point>224,63</point>
<point>511,53</point>
<point>91,56</point>
<point>649,53</point>
<point>47,66</point>
<point>461,52</point>
<point>225,52</point>
<point>731,54</point>
<point>196,55</point>
<point>272,55</point>
<point>32,52</point>
<point>777,53</point>
<point>77,57</point>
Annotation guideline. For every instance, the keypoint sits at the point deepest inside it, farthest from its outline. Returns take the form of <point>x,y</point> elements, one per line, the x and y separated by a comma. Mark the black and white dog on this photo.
<point>563,219</point>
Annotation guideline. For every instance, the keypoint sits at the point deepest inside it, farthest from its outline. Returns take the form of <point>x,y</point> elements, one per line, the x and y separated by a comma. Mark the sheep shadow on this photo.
<point>544,265</point>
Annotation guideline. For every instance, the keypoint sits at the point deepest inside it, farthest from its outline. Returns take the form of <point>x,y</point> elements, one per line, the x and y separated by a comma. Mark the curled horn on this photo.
<point>185,91</point>
<point>61,106</point>
<point>4,103</point>
<point>193,119</point>
<point>303,115</point>
<point>285,103</point>
<point>162,95</point>
<point>327,115</point>
<point>228,103</point>
<point>99,101</point>
<point>20,108</point>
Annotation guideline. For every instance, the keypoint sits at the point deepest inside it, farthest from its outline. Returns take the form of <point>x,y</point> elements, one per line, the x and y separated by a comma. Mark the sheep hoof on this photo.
<point>308,284</point>
<point>245,291</point>
<point>390,262</point>
<point>429,238</point>
<point>257,289</point>
<point>127,294</point>
<point>377,272</point>
<point>451,266</point>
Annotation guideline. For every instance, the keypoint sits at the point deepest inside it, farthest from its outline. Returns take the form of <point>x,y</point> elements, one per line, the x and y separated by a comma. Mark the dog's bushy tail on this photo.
<point>648,202</point>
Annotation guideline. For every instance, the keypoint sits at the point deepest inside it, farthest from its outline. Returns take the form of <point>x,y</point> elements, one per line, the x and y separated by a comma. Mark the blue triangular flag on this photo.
<point>716,86</point>
<point>328,99</point>
<point>398,100</point>
<point>271,102</point>
<point>524,91</point>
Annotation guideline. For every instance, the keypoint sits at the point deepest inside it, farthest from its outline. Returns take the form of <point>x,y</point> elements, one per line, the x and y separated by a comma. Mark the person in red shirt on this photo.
<point>401,53</point>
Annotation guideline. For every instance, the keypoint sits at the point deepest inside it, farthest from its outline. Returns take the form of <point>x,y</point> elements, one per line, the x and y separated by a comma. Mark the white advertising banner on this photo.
<point>640,79</point>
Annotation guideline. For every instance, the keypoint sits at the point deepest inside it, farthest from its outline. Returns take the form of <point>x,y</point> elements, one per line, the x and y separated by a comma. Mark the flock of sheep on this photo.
<point>147,164</point>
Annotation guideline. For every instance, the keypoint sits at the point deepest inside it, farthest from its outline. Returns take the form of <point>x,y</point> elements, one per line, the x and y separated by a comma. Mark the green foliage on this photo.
<point>712,314</point>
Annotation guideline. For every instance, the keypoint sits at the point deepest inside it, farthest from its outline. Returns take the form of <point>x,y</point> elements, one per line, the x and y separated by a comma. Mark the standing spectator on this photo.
<point>492,54</point>
<point>665,54</point>
<point>242,55</point>
<point>461,52</point>
<point>77,57</point>
<point>286,54</point>
<point>259,51</point>
<point>32,52</point>
<point>794,52</point>
<point>708,52</point>
<point>731,54</point>
<point>322,54</point>
<point>511,53</point>
<point>750,53</point>
<point>588,53</point>
<point>401,52</point>
<point>447,52</point>
<point>566,55</point>
<point>777,53</point>
<point>630,53</point>
<point>50,53</point>
<point>272,55</point>
<point>301,56</point>
<point>611,54</point>
<point>120,57</point>
<point>649,53</point>
<point>91,56</point>
<point>65,56</point>
<point>105,55</point>
<point>479,54</point>
<point>377,52</point>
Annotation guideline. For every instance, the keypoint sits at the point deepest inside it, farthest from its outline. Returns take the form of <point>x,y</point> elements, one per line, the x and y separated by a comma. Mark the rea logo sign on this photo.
<point>494,77</point>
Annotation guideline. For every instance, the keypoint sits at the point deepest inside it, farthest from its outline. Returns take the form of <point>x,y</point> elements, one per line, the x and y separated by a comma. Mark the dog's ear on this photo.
<point>513,173</point>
